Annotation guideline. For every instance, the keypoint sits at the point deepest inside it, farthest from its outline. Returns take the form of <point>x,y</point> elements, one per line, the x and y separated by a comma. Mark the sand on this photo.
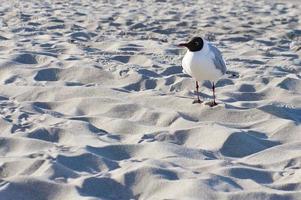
<point>94,104</point>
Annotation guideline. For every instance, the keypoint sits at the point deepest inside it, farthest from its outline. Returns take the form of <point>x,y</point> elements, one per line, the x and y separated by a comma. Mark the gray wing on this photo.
<point>218,59</point>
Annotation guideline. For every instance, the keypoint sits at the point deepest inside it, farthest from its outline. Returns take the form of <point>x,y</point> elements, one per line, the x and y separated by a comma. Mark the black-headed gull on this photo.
<point>203,61</point>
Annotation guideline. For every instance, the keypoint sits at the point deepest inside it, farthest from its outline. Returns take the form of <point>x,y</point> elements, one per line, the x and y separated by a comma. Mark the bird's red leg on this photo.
<point>197,93</point>
<point>213,89</point>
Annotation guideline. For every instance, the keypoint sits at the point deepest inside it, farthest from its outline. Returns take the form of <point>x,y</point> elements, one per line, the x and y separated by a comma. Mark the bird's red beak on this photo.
<point>182,45</point>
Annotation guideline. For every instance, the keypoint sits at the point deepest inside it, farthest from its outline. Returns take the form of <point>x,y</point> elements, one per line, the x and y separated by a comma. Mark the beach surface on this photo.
<point>94,103</point>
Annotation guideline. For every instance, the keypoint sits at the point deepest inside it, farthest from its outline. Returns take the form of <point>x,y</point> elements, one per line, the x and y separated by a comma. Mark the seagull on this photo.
<point>203,61</point>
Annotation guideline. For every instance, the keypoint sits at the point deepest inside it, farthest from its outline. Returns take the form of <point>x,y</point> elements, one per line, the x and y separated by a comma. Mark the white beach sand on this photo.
<point>94,104</point>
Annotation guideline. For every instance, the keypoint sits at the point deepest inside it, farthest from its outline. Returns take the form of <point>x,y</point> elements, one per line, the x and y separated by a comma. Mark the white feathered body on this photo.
<point>200,64</point>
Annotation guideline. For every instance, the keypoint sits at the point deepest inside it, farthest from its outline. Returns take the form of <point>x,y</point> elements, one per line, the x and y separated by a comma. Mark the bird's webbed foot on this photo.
<point>212,104</point>
<point>197,101</point>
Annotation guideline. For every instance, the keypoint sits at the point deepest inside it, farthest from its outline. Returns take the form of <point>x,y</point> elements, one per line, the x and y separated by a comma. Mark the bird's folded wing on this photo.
<point>218,59</point>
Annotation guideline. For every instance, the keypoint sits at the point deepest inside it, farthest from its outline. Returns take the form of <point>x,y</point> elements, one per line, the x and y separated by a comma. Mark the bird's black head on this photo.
<point>196,44</point>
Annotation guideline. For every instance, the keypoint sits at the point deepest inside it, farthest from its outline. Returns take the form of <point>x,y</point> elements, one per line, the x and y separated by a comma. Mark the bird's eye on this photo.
<point>196,43</point>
